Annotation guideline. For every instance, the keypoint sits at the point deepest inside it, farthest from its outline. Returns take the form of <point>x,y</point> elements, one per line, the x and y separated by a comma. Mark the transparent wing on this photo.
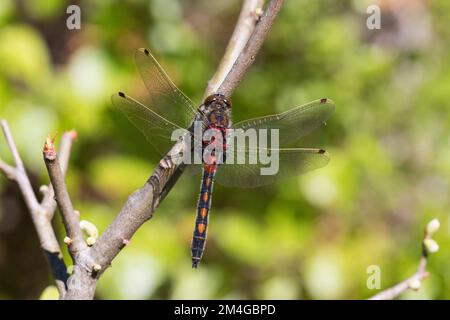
<point>165,98</point>
<point>155,128</point>
<point>294,123</point>
<point>291,162</point>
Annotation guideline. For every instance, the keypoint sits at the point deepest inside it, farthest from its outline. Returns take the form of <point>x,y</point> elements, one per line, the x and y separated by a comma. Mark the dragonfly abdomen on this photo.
<point>203,207</point>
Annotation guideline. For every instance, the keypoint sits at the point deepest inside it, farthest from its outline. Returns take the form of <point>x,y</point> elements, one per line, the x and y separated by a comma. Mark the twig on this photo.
<point>9,171</point>
<point>413,282</point>
<point>70,218</point>
<point>249,16</point>
<point>20,175</point>
<point>248,55</point>
<point>40,215</point>
<point>140,206</point>
<point>398,289</point>
<point>48,202</point>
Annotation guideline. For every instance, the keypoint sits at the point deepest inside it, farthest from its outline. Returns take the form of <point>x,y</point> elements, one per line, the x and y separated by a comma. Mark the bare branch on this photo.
<point>41,221</point>
<point>70,218</point>
<point>248,55</point>
<point>249,16</point>
<point>413,282</point>
<point>403,286</point>
<point>12,146</point>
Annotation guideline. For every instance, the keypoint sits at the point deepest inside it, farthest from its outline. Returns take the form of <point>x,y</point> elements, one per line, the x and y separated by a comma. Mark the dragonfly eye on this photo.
<point>227,102</point>
<point>210,99</point>
<point>217,97</point>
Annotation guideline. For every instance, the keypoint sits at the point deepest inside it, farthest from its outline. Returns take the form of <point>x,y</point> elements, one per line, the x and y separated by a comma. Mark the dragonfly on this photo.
<point>169,109</point>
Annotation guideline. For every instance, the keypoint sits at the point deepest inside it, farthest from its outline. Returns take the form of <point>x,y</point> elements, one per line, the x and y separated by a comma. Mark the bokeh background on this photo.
<point>311,237</point>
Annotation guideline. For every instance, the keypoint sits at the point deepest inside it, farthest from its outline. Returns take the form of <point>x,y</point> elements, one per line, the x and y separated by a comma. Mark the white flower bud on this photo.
<point>89,229</point>
<point>90,241</point>
<point>433,226</point>
<point>431,245</point>
<point>414,284</point>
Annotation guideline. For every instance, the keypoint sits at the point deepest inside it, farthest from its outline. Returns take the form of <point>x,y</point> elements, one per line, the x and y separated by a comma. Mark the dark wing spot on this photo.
<point>122,94</point>
<point>324,100</point>
<point>146,52</point>
<point>321,151</point>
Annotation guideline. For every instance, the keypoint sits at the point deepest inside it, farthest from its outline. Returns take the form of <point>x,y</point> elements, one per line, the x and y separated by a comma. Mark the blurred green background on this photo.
<point>309,237</point>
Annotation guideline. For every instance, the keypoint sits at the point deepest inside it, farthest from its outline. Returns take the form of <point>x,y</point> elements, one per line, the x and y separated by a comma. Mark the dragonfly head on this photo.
<point>218,109</point>
<point>217,100</point>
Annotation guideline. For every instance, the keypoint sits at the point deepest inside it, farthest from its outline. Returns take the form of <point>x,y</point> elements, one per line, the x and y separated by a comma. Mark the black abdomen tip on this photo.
<point>322,151</point>
<point>122,94</point>
<point>146,52</point>
<point>194,263</point>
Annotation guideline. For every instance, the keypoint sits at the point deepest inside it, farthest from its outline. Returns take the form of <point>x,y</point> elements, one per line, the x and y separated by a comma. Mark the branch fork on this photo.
<point>92,258</point>
<point>41,212</point>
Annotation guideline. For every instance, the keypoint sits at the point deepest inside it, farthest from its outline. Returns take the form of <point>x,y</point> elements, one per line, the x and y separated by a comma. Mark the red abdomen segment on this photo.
<point>201,221</point>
